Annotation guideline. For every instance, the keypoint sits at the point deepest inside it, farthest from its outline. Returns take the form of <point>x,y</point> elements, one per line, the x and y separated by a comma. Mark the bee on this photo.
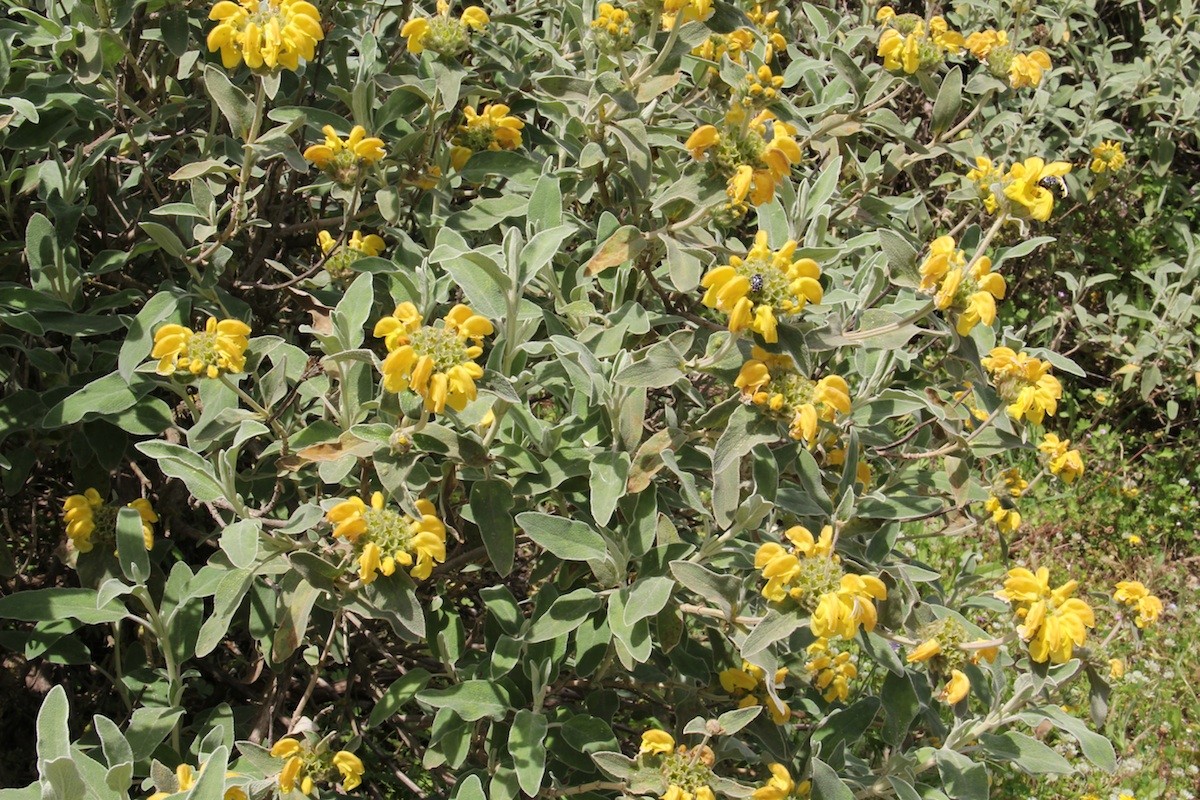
<point>756,283</point>
<point>1053,182</point>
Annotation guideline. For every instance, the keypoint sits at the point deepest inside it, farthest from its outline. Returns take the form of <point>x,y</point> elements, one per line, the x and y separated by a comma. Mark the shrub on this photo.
<point>517,401</point>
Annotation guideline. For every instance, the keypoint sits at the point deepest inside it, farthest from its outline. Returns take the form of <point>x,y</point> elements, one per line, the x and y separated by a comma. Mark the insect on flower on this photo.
<point>1054,182</point>
<point>756,282</point>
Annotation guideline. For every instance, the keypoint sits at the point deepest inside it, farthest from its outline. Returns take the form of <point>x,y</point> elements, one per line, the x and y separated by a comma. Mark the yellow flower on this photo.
<point>765,283</point>
<point>749,682</point>
<point>1134,539</point>
<point>285,747</point>
<point>781,786</point>
<point>1025,188</point>
<point>339,261</point>
<point>703,138</point>
<point>735,45</point>
<point>956,688</point>
<point>1063,462</point>
<point>943,256</point>
<point>1000,504</point>
<point>343,159</point>
<point>1006,517</point>
<point>386,539</point>
<point>988,653</point>
<point>613,28</point>
<point>1023,587</point>
<point>441,34</point>
<point>492,128</point>
<point>656,742</point>
<point>972,295</point>
<point>899,52</point>
<point>351,768</point>
<point>762,86</point>
<point>772,383</point>
<point>438,362</point>
<point>186,777</point>
<point>689,10</point>
<point>751,163</point>
<point>1027,68</point>
<point>906,46</point>
<point>943,37</point>
<point>1135,595</point>
<point>219,349</point>
<point>808,569</point>
<point>983,289</point>
<point>1054,621</point>
<point>1107,156</point>
<point>1024,382</point>
<point>830,671</point>
<point>982,43</point>
<point>925,651</point>
<point>416,31</point>
<point>844,611</point>
<point>266,35</point>
<point>1116,668</point>
<point>986,174</point>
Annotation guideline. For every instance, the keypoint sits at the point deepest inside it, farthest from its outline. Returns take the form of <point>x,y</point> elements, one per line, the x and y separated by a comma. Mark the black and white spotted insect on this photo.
<point>756,283</point>
<point>1054,182</point>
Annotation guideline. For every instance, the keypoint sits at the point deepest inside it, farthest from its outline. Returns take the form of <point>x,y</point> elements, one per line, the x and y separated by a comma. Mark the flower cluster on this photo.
<point>849,607</point>
<point>761,88</point>
<point>830,670</point>
<point>811,574</point>
<point>266,34</point>
<point>781,786</point>
<point>1006,62</point>
<point>305,766</point>
<point>792,574</point>
<point>1063,462</point>
<point>944,649</point>
<point>772,383</point>
<point>344,159</point>
<point>384,538</point>
<point>219,349</point>
<point>686,772</point>
<point>613,28</point>
<point>735,45</point>
<point>1107,157</point>
<point>750,163</point>
<point>186,777</point>
<point>970,293</point>
<point>1025,191</point>
<point>1054,621</point>
<point>767,23</point>
<point>1135,595</point>
<point>493,128</point>
<point>442,34</point>
<point>91,521</point>
<point>436,362</point>
<point>677,11</point>
<point>1000,504</point>
<point>907,45</point>
<point>1024,382</point>
<point>756,290</point>
<point>748,685</point>
<point>339,258</point>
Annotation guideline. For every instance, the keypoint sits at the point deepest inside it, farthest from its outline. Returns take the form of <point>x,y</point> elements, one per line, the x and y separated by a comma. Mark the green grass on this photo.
<point>1145,489</point>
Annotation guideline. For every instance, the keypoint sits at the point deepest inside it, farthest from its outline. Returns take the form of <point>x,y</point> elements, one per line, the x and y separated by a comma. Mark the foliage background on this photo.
<point>122,156</point>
